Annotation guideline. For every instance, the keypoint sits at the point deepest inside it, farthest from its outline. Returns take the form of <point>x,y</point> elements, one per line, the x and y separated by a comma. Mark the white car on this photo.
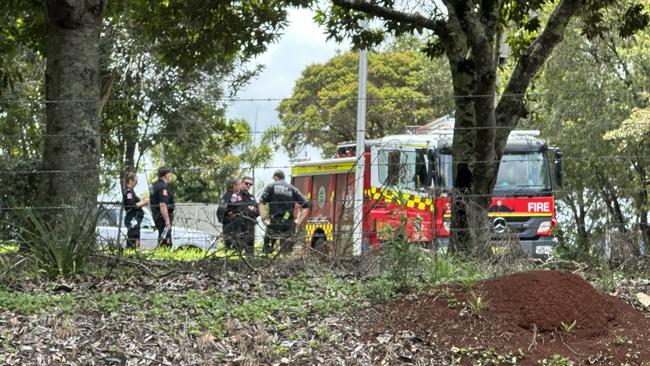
<point>107,232</point>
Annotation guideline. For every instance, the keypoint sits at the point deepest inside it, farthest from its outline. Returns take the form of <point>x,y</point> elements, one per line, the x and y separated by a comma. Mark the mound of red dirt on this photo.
<point>547,299</point>
<point>524,314</point>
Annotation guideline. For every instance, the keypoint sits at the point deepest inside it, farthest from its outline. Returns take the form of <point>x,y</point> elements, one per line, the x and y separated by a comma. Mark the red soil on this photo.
<point>526,311</point>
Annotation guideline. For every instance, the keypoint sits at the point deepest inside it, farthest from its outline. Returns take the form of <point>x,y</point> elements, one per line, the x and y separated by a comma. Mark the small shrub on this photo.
<point>381,289</point>
<point>407,262</point>
<point>59,242</point>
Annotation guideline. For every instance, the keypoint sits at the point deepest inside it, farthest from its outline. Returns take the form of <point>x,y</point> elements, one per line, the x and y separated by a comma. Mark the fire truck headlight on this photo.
<point>446,224</point>
<point>544,228</point>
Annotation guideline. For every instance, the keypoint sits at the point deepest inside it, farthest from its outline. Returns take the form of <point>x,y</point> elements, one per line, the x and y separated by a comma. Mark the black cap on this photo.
<point>163,171</point>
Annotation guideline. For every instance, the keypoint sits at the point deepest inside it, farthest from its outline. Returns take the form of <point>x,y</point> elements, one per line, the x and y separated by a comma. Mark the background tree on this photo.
<point>322,110</point>
<point>590,87</point>
<point>469,34</point>
<point>180,42</point>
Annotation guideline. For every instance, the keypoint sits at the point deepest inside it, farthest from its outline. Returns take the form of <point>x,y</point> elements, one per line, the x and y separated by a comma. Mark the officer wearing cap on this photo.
<point>162,206</point>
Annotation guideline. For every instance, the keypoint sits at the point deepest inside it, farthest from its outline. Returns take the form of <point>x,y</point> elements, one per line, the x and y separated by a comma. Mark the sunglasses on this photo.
<point>248,183</point>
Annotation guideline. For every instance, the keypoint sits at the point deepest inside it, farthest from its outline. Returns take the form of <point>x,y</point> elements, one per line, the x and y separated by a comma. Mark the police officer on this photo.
<point>250,214</point>
<point>162,206</point>
<point>282,198</point>
<point>134,213</point>
<point>229,214</point>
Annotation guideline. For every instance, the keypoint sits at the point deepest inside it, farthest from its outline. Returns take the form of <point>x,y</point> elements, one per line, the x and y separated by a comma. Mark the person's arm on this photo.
<point>302,213</point>
<point>163,200</point>
<point>165,214</point>
<point>266,196</point>
<point>304,205</point>
<point>143,203</point>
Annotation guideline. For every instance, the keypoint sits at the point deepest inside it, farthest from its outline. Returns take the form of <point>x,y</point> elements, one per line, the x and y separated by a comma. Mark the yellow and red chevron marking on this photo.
<point>327,228</point>
<point>409,200</point>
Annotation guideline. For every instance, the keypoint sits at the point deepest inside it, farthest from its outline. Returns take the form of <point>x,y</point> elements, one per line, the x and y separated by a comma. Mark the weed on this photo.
<point>452,301</point>
<point>483,356</point>
<point>468,283</point>
<point>567,328</point>
<point>28,304</point>
<point>619,340</point>
<point>381,289</point>
<point>279,350</point>
<point>476,303</point>
<point>556,360</point>
<point>323,332</point>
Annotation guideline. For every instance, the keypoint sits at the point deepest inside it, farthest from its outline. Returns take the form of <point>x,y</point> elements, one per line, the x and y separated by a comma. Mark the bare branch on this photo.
<point>415,19</point>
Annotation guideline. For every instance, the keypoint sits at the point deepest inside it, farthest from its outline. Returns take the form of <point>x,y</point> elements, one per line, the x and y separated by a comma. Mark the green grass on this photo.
<point>206,310</point>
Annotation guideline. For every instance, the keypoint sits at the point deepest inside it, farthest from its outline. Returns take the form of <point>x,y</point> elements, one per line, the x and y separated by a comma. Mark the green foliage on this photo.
<point>59,241</point>
<point>399,90</point>
<point>28,303</point>
<point>556,360</point>
<point>587,92</point>
<point>406,261</point>
<point>18,191</point>
<point>483,356</point>
<point>202,163</point>
<point>22,26</point>
<point>381,289</point>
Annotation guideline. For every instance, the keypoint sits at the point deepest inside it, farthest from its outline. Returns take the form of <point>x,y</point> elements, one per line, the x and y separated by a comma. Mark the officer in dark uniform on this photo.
<point>282,198</point>
<point>162,206</point>
<point>230,215</point>
<point>134,213</point>
<point>250,214</point>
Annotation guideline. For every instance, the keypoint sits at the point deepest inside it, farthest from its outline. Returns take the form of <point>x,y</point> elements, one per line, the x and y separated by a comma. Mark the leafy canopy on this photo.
<point>404,88</point>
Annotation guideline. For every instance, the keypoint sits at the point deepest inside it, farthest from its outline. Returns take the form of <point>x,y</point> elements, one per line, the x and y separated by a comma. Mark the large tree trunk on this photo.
<point>72,144</point>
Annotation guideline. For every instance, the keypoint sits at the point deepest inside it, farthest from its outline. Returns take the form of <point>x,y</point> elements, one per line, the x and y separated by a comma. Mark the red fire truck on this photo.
<point>418,168</point>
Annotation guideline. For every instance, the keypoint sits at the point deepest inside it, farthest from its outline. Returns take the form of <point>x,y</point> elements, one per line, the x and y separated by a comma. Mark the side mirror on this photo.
<point>557,154</point>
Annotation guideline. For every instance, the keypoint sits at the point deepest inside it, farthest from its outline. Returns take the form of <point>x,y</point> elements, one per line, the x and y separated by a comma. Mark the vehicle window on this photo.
<point>527,170</point>
<point>402,169</point>
<point>523,170</point>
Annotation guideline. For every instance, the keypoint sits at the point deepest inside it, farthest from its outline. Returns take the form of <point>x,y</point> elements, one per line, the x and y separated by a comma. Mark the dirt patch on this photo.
<point>523,318</point>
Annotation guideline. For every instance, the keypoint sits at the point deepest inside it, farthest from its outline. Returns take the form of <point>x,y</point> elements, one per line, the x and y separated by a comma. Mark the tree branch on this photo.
<point>511,106</point>
<point>415,19</point>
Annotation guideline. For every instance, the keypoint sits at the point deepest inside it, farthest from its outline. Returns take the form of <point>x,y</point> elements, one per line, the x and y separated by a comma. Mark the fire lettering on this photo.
<point>538,207</point>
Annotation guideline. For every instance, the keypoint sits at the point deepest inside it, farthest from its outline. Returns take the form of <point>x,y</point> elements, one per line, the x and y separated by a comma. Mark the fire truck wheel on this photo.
<point>320,246</point>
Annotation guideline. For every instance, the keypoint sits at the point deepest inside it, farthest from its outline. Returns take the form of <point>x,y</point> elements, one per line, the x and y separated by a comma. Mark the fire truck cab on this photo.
<point>414,171</point>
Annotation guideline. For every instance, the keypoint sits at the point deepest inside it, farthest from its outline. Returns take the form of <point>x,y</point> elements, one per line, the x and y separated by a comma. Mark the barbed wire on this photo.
<point>290,166</point>
<point>351,98</point>
<point>320,131</point>
<point>526,194</point>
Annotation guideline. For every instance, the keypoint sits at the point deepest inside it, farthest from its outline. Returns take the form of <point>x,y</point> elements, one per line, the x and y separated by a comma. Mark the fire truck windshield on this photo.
<point>523,172</point>
<point>519,173</point>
